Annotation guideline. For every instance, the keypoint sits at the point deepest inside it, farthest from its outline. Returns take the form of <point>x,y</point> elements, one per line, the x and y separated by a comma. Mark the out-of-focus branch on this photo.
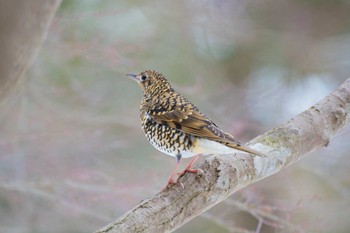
<point>23,26</point>
<point>225,174</point>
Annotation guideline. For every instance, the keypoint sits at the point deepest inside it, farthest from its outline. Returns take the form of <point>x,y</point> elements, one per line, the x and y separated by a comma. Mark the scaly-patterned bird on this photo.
<point>176,127</point>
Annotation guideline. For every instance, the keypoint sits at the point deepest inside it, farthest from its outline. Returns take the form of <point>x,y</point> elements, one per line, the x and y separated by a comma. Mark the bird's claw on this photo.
<point>171,181</point>
<point>190,170</point>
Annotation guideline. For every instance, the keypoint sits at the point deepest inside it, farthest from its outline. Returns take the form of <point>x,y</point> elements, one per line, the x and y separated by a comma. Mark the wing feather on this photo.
<point>183,115</point>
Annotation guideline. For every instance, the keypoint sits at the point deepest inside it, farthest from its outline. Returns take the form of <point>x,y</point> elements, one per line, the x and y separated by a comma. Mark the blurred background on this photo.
<point>72,153</point>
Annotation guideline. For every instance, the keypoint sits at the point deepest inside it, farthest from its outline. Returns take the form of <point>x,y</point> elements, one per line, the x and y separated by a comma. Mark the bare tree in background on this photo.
<point>224,175</point>
<point>23,26</point>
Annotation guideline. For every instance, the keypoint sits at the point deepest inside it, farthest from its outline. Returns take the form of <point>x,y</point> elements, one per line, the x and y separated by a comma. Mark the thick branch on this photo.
<point>23,26</point>
<point>223,174</point>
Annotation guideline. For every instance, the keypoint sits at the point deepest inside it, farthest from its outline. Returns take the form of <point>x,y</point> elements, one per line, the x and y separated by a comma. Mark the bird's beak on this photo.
<point>133,77</point>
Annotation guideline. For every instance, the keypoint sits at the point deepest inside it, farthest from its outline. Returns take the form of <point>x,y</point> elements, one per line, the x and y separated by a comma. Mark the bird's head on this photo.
<point>151,82</point>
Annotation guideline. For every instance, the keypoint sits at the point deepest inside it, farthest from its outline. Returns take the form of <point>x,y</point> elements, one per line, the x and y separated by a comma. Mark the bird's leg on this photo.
<point>189,167</point>
<point>171,177</point>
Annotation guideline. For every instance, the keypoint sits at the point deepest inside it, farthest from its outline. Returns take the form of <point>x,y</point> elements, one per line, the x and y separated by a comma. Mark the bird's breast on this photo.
<point>166,139</point>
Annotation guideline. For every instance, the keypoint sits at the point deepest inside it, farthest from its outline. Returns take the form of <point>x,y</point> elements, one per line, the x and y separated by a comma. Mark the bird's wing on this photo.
<point>178,113</point>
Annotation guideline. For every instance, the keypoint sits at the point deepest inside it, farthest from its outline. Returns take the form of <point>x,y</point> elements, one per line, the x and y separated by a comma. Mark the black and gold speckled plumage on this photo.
<point>175,126</point>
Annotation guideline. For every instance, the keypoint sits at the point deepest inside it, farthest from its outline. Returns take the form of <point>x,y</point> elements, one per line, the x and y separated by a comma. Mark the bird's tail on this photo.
<point>245,149</point>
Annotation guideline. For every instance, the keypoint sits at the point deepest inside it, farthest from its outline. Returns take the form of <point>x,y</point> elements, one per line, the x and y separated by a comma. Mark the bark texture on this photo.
<point>224,174</point>
<point>23,26</point>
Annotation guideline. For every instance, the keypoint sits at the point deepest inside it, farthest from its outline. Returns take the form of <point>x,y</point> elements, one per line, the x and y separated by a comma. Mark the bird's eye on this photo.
<point>143,77</point>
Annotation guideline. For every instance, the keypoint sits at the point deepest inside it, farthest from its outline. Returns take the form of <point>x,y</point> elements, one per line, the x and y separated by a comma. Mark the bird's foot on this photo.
<point>170,182</point>
<point>190,170</point>
<point>189,167</point>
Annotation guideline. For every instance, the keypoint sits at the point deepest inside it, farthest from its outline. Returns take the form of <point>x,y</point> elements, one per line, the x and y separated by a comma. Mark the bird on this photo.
<point>176,127</point>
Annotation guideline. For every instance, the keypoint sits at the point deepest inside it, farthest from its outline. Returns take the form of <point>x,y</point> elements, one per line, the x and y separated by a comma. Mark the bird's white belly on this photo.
<point>200,146</point>
<point>207,147</point>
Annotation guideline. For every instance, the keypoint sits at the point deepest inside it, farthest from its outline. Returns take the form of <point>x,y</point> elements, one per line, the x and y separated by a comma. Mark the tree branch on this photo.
<point>224,175</point>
